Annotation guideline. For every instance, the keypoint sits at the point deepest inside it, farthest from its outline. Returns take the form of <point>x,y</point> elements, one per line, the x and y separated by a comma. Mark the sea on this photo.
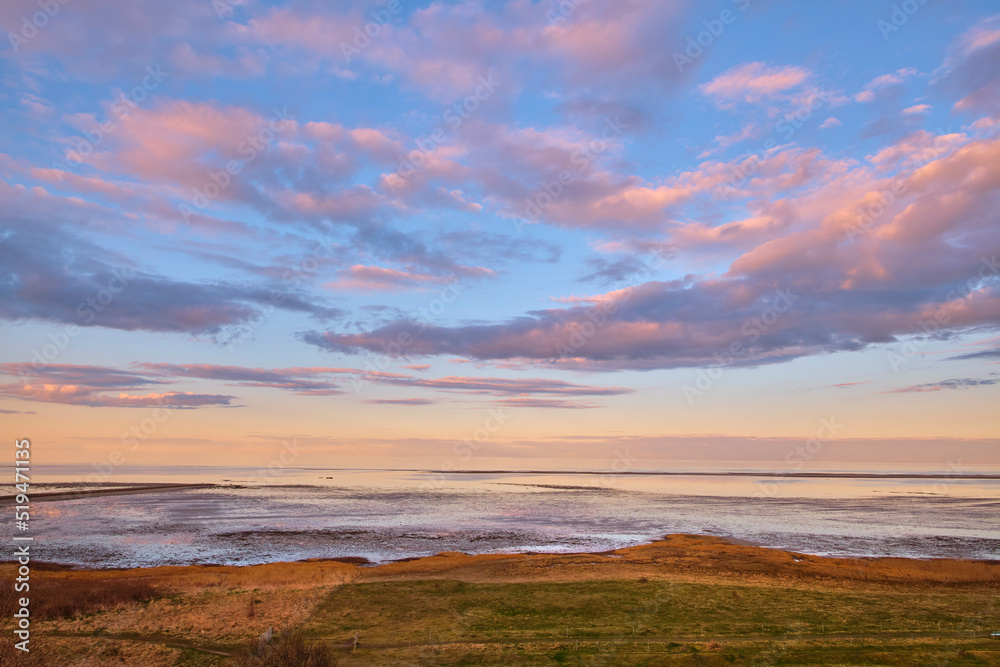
<point>241,517</point>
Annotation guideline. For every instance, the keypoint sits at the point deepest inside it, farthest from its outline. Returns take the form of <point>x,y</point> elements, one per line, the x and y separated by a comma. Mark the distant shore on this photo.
<point>115,491</point>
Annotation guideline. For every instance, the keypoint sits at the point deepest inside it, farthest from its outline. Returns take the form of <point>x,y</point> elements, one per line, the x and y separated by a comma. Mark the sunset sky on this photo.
<point>467,232</point>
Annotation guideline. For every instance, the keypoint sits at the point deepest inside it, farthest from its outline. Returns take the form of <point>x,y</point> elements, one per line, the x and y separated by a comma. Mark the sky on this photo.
<point>619,235</point>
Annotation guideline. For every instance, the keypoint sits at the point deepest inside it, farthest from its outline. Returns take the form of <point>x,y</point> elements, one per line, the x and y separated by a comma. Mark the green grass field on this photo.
<point>629,622</point>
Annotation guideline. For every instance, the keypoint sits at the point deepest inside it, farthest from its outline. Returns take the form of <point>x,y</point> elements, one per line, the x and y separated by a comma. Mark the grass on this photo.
<point>289,649</point>
<point>682,600</point>
<point>451,610</point>
<point>66,598</point>
<point>564,623</point>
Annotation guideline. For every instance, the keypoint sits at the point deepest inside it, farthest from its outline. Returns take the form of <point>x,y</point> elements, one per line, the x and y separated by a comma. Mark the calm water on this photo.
<point>381,515</point>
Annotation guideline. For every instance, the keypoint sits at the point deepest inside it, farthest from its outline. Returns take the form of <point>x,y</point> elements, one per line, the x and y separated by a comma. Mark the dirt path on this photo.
<point>146,639</point>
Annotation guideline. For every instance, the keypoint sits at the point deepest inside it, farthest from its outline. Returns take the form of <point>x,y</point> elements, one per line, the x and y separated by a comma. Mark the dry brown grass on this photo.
<point>290,649</point>
<point>689,558</point>
<point>66,598</point>
<point>193,578</point>
<point>10,656</point>
<point>88,652</point>
<point>219,616</point>
<point>685,556</point>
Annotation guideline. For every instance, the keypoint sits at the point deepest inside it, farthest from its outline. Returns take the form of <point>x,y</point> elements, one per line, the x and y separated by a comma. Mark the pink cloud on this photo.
<point>90,397</point>
<point>552,403</point>
<point>753,82</point>
<point>379,278</point>
<point>364,277</point>
<point>400,401</point>
<point>960,383</point>
<point>858,281</point>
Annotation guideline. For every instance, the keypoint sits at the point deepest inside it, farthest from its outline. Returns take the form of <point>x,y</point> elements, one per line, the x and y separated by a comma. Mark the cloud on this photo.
<point>593,112</point>
<point>298,380</point>
<point>611,271</point>
<point>960,383</point>
<point>442,50</point>
<point>361,277</point>
<point>884,84</point>
<point>551,403</point>
<point>98,377</point>
<point>753,82</point>
<point>96,386</point>
<point>982,354</point>
<point>50,273</point>
<point>508,386</point>
<point>182,37</point>
<point>971,73</point>
<point>856,282</point>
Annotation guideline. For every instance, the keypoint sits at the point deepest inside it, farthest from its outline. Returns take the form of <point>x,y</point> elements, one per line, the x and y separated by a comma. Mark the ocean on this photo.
<point>384,515</point>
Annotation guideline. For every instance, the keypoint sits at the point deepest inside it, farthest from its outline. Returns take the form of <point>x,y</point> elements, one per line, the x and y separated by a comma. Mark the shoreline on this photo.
<point>365,564</point>
<point>677,553</point>
<point>98,493</point>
